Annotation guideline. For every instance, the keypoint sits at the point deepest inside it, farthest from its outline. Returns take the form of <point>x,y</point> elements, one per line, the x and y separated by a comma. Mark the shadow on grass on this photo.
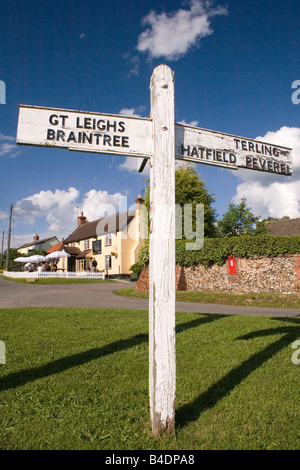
<point>192,411</point>
<point>189,412</point>
<point>23,377</point>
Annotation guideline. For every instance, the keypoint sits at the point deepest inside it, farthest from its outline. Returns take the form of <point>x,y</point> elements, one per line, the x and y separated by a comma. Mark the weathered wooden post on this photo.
<point>162,355</point>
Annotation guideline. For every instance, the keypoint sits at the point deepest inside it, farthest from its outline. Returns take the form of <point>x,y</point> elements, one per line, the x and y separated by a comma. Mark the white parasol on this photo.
<point>36,259</point>
<point>21,259</point>
<point>57,254</point>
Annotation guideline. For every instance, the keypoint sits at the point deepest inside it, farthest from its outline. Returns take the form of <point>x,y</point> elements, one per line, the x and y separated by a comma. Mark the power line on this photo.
<point>89,83</point>
<point>78,55</point>
<point>69,56</point>
<point>86,74</point>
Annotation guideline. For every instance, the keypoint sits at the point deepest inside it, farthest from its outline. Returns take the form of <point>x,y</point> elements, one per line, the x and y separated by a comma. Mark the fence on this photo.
<point>57,274</point>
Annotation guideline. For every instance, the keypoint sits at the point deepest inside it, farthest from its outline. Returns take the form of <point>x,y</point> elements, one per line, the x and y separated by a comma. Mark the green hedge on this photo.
<point>217,250</point>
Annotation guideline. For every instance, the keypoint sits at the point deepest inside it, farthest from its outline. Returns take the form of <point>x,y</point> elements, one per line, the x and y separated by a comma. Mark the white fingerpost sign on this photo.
<point>84,131</point>
<point>162,372</point>
<point>160,140</point>
<point>229,151</point>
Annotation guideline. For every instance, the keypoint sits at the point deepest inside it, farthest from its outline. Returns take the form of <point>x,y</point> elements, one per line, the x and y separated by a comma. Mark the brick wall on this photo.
<point>263,274</point>
<point>143,281</point>
<point>297,273</point>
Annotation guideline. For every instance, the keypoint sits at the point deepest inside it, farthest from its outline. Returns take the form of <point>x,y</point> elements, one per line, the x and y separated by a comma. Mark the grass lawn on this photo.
<point>251,299</point>
<point>78,379</point>
<point>55,280</point>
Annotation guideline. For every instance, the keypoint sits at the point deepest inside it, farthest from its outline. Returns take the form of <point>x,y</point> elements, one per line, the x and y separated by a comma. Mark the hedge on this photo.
<point>217,250</point>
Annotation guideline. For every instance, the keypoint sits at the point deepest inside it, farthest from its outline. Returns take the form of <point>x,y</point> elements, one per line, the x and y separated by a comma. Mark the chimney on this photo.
<point>139,202</point>
<point>36,237</point>
<point>81,219</point>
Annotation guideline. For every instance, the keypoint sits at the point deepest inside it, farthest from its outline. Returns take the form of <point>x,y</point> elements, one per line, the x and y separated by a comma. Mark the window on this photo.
<point>108,262</point>
<point>83,265</point>
<point>86,244</point>
<point>108,240</point>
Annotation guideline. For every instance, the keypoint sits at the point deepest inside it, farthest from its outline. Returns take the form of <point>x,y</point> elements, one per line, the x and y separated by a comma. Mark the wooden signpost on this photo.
<point>160,140</point>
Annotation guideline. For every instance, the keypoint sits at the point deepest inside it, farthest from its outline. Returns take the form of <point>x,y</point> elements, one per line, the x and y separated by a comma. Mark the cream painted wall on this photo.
<point>124,244</point>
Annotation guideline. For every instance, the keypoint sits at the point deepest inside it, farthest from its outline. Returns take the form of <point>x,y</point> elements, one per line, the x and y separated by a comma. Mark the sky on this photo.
<point>237,71</point>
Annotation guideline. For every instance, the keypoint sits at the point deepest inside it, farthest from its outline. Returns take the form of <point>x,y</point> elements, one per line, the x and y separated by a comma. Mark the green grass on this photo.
<point>78,379</point>
<point>54,280</point>
<point>251,299</point>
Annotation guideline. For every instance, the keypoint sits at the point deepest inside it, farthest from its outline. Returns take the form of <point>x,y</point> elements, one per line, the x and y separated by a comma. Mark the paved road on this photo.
<point>14,295</point>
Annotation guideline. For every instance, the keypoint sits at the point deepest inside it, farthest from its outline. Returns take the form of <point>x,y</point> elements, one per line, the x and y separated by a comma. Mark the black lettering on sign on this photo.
<point>91,138</point>
<point>50,134</point>
<point>125,141</point>
<point>71,137</point>
<point>58,120</point>
<point>99,124</point>
<point>53,119</point>
<point>107,140</point>
<point>195,152</point>
<point>60,135</point>
<point>259,163</point>
<point>121,126</point>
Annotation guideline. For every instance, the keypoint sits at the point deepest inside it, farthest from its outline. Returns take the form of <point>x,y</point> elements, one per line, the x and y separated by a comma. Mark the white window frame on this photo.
<point>82,265</point>
<point>108,262</point>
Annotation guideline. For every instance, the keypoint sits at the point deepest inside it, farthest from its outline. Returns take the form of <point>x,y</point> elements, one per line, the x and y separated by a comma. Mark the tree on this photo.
<point>238,220</point>
<point>190,189</point>
<point>14,253</point>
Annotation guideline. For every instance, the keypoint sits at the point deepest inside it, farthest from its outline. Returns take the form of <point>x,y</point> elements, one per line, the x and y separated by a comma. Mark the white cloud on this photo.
<point>56,211</point>
<point>96,204</point>
<point>171,35</point>
<point>272,195</point>
<point>7,149</point>
<point>133,164</point>
<point>7,137</point>
<point>192,123</point>
<point>58,208</point>
<point>129,112</point>
<point>134,62</point>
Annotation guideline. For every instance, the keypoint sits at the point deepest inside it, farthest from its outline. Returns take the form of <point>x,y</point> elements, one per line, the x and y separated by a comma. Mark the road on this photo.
<point>98,295</point>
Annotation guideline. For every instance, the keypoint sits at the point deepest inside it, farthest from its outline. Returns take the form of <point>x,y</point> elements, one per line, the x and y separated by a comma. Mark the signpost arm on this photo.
<point>162,356</point>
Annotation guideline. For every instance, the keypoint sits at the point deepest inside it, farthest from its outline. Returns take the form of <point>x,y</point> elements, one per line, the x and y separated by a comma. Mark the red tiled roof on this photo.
<point>56,247</point>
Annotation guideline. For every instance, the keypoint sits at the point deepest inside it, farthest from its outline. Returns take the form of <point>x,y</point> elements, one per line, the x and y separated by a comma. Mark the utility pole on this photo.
<point>2,249</point>
<point>8,242</point>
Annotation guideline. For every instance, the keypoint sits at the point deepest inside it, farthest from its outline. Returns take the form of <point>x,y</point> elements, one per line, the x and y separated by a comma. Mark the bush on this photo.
<point>136,268</point>
<point>217,250</point>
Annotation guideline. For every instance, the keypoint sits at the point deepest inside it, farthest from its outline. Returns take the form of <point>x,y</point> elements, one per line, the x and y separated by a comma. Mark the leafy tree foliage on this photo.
<point>238,220</point>
<point>190,189</point>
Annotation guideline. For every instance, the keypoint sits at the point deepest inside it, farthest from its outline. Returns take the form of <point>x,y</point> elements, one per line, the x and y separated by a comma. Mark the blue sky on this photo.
<point>234,63</point>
